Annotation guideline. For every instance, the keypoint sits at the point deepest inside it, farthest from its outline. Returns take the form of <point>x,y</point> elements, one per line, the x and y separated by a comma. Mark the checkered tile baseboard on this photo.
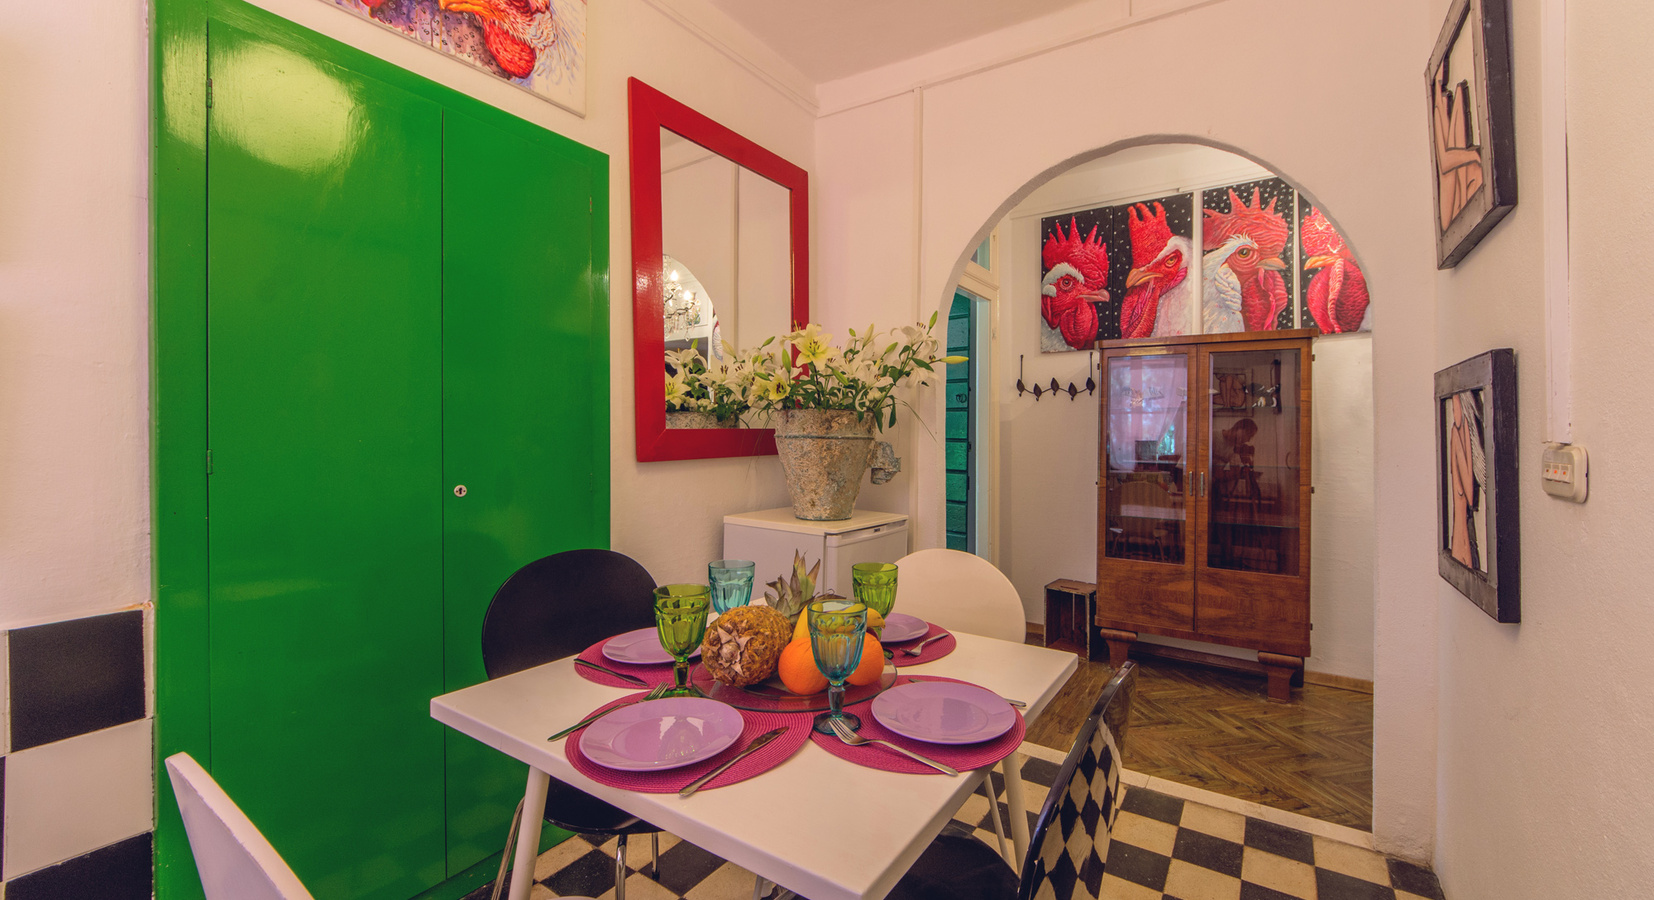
<point>76,764</point>
<point>1163,848</point>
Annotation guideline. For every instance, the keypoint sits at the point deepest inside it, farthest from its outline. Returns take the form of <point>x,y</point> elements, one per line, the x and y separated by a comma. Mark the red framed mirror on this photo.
<point>720,252</point>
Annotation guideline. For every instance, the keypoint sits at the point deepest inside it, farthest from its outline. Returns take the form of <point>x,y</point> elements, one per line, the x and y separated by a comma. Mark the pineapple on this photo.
<point>743,646</point>
<point>793,595</point>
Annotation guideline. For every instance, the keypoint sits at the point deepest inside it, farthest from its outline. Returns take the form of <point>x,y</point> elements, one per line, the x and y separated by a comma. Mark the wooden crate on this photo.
<point>1070,618</point>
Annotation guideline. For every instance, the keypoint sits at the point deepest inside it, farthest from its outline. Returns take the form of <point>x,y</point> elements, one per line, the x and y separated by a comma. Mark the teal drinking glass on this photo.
<point>874,583</point>
<point>680,618</point>
<point>837,628</point>
<point>731,583</point>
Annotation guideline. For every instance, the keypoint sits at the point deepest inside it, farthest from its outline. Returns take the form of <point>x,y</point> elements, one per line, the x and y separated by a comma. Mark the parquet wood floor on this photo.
<point>1218,731</point>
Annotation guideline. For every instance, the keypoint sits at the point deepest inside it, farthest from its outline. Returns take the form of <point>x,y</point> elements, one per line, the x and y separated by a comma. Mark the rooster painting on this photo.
<point>1257,267</point>
<point>536,44</point>
<point>1221,271</point>
<point>1158,288</point>
<point>1337,292</point>
<point>517,33</point>
<point>1076,279</point>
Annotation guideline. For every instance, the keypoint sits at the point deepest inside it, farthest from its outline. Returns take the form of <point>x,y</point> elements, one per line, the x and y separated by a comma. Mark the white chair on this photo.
<point>961,592</point>
<point>964,592</point>
<point>234,860</point>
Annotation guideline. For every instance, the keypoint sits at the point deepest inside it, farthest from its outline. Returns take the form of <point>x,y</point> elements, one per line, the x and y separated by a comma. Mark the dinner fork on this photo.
<point>919,648</point>
<point>842,729</point>
<point>654,694</point>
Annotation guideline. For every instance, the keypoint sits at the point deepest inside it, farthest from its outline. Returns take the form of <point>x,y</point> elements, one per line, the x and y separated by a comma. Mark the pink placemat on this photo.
<point>931,653</point>
<point>651,675</point>
<point>960,756</point>
<point>670,781</point>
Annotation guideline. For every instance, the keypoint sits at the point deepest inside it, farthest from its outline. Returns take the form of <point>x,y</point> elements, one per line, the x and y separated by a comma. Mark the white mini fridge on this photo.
<point>771,537</point>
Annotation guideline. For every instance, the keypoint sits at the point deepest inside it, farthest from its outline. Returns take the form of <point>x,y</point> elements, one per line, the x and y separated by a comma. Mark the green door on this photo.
<point>525,419</point>
<point>325,493</point>
<point>959,455</point>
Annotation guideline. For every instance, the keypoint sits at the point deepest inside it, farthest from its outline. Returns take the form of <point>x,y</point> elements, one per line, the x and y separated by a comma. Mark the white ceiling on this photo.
<point>830,39</point>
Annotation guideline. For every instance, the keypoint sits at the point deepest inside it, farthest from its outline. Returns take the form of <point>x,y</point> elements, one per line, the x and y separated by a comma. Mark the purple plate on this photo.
<point>944,712</point>
<point>639,648</point>
<point>900,627</point>
<point>661,734</point>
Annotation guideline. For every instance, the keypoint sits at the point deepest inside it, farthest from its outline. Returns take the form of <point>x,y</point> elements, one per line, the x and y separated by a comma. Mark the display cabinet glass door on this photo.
<point>1146,458</point>
<point>1252,558</point>
<point>1253,460</point>
<point>1147,533</point>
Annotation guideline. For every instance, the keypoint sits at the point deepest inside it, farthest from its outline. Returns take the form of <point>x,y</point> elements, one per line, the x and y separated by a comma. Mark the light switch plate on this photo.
<point>1563,471</point>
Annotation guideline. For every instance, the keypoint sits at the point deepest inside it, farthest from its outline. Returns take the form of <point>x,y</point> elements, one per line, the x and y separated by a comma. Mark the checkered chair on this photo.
<point>1070,841</point>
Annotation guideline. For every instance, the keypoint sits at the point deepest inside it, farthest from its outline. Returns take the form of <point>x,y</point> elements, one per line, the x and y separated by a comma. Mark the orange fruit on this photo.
<point>798,671</point>
<point>871,665</point>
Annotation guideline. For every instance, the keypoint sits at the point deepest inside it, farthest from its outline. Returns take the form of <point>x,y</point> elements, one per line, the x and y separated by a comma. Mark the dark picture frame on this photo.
<point>1471,123</point>
<point>1478,538</point>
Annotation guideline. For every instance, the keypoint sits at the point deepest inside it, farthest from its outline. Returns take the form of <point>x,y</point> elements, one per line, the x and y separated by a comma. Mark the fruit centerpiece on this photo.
<point>749,644</point>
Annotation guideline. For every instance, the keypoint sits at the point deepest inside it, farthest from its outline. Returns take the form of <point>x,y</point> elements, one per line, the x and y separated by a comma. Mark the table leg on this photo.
<point>528,833</point>
<point>1012,767</point>
<point>999,826</point>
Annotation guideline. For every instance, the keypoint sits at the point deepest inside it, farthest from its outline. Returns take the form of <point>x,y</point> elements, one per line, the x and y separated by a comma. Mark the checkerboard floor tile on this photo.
<point>1164,848</point>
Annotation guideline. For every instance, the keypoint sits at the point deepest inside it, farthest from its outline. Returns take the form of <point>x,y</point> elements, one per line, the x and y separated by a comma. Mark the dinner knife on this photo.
<point>757,743</point>
<point>629,679</point>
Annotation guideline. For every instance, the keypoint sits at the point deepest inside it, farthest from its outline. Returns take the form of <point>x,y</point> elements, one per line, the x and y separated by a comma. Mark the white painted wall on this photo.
<point>1048,448</point>
<point>74,313</point>
<point>1546,725</point>
<point>987,138</point>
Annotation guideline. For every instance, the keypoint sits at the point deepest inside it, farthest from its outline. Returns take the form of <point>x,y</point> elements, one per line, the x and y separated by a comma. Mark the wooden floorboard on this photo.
<point>1218,730</point>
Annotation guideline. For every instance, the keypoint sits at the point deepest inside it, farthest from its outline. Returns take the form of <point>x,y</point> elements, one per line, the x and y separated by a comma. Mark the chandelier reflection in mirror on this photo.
<point>681,306</point>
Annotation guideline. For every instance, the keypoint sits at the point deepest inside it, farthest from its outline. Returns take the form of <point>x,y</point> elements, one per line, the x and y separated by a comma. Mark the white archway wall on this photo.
<point>980,139</point>
<point>1047,463</point>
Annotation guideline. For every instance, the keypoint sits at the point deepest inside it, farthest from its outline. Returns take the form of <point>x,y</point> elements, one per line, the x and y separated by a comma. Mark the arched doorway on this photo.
<point>1079,247</point>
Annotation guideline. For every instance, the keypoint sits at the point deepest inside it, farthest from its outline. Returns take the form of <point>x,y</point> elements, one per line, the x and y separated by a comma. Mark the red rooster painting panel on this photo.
<point>1246,236</point>
<point>537,45</point>
<point>1335,291</point>
<point>1116,271</point>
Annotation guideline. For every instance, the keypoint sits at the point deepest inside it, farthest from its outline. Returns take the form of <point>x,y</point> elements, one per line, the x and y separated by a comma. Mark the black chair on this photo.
<point>558,606</point>
<point>1086,797</point>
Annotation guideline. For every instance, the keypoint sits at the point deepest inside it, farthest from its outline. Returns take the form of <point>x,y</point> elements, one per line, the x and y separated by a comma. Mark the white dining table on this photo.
<point>820,826</point>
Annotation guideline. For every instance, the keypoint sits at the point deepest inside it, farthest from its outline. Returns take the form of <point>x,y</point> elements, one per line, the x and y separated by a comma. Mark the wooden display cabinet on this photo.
<point>1203,495</point>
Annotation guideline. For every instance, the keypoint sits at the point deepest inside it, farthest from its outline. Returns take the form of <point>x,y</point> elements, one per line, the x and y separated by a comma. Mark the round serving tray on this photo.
<point>770,696</point>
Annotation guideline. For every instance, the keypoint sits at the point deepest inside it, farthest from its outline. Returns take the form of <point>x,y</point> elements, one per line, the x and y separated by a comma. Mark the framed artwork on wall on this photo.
<point>537,45</point>
<point>1120,271</point>
<point>1246,234</point>
<point>1478,545</point>
<point>1472,136</point>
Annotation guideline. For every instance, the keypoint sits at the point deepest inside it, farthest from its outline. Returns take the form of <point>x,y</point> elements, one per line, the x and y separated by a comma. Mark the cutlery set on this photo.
<point>654,694</point>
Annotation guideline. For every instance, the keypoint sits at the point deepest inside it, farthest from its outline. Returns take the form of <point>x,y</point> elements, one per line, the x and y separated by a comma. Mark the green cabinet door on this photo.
<point>325,492</point>
<point>524,382</point>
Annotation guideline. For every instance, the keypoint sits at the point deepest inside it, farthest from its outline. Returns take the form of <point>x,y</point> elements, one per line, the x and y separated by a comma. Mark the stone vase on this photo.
<point>685,418</point>
<point>823,455</point>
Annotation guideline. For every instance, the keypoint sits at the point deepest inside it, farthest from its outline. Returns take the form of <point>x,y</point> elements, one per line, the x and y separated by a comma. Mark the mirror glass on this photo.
<point>720,257</point>
<point>725,233</point>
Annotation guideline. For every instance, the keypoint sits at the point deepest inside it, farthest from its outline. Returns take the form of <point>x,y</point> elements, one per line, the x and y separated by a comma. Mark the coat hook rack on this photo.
<point>1039,390</point>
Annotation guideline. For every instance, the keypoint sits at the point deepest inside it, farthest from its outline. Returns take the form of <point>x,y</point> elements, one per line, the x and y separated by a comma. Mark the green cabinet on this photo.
<point>405,293</point>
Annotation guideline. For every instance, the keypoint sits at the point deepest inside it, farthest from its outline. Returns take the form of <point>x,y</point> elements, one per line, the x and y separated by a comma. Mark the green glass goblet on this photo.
<point>680,618</point>
<point>874,583</point>
<point>837,629</point>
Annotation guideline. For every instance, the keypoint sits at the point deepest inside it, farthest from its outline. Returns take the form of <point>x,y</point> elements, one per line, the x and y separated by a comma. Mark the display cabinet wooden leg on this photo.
<point>1119,645</point>
<point>1282,671</point>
